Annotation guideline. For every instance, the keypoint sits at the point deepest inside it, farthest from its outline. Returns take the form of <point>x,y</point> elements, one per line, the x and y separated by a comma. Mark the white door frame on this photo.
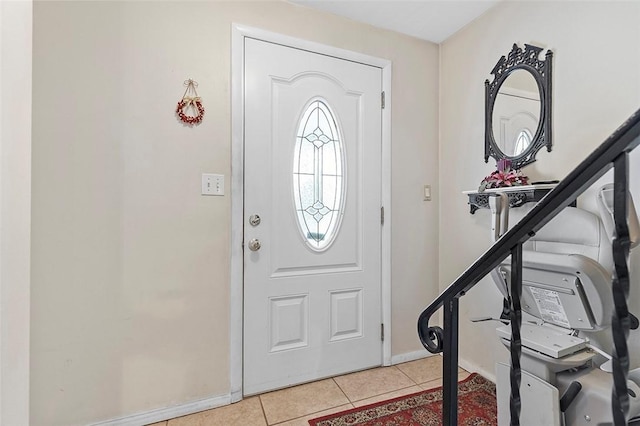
<point>239,33</point>
<point>16,36</point>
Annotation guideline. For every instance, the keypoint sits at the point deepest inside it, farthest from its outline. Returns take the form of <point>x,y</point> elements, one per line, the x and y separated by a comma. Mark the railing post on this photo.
<point>515,318</point>
<point>620,290</point>
<point>450,363</point>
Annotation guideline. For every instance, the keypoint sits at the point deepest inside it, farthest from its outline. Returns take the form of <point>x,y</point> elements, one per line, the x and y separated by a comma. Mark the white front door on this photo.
<point>312,260</point>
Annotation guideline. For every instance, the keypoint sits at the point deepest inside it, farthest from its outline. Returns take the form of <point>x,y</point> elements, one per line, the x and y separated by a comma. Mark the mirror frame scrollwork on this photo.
<point>527,59</point>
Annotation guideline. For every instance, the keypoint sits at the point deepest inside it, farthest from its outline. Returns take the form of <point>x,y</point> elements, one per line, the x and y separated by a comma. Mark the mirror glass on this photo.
<point>518,119</point>
<point>516,113</point>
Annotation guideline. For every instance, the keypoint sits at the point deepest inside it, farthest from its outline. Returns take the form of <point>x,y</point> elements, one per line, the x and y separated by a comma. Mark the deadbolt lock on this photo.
<point>254,220</point>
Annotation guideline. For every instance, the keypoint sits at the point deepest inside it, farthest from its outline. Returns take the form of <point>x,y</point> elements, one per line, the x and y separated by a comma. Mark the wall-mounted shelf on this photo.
<point>518,195</point>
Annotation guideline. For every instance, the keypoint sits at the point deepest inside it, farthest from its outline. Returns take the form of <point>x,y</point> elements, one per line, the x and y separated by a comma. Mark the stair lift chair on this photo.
<point>566,320</point>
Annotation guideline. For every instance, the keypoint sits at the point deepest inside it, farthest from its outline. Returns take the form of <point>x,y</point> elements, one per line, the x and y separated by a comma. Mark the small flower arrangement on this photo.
<point>503,177</point>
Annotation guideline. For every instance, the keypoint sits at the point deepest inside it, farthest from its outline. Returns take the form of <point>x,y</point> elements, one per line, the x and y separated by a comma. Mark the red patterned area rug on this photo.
<point>476,407</point>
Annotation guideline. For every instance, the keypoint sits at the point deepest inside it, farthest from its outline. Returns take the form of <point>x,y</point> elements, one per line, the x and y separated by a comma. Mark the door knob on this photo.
<point>254,244</point>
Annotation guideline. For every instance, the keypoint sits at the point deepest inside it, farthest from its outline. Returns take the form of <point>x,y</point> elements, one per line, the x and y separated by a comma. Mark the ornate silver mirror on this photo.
<point>518,106</point>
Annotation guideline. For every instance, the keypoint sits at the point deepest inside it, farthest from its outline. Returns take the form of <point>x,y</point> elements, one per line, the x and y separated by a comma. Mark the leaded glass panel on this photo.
<point>522,142</point>
<point>318,184</point>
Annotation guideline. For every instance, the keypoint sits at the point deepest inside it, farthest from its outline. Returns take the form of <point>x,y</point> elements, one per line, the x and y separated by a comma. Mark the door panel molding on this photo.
<point>239,33</point>
<point>300,271</point>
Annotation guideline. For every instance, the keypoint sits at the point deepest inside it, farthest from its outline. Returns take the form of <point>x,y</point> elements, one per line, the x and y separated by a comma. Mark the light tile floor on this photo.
<point>296,405</point>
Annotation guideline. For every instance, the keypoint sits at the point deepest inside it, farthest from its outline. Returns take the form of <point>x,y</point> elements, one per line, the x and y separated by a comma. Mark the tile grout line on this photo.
<point>264,414</point>
<point>384,393</point>
<point>342,390</point>
<point>406,375</point>
<point>373,396</point>
<point>311,414</point>
<point>433,387</point>
<point>352,403</point>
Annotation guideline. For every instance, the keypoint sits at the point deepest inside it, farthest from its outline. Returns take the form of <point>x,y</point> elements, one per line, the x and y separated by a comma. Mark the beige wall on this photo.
<point>15,209</point>
<point>130,265</point>
<point>596,86</point>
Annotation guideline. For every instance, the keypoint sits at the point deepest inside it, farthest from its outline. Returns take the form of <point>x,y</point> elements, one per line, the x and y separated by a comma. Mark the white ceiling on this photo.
<point>432,20</point>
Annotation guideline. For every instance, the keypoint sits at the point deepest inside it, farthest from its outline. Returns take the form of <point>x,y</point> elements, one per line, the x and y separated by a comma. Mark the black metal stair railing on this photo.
<point>620,288</point>
<point>612,153</point>
<point>515,317</point>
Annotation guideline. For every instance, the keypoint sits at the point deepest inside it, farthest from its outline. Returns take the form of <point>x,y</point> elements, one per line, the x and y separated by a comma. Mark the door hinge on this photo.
<point>382,100</point>
<point>382,215</point>
<point>382,332</point>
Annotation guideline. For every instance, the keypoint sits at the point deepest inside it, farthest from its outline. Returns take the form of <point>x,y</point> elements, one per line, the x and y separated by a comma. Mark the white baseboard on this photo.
<point>236,396</point>
<point>162,414</point>
<point>410,356</point>
<point>473,368</point>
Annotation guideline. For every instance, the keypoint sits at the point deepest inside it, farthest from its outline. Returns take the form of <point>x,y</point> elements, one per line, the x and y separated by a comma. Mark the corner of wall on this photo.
<point>15,209</point>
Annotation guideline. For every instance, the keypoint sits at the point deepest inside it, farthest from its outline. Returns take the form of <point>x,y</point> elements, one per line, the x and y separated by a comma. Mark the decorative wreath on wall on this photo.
<point>190,101</point>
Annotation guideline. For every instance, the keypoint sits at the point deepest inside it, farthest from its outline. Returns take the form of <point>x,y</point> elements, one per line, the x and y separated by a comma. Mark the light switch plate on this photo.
<point>212,184</point>
<point>427,193</point>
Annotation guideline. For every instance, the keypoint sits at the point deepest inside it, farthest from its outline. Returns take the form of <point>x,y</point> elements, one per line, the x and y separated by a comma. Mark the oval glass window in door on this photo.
<point>318,175</point>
